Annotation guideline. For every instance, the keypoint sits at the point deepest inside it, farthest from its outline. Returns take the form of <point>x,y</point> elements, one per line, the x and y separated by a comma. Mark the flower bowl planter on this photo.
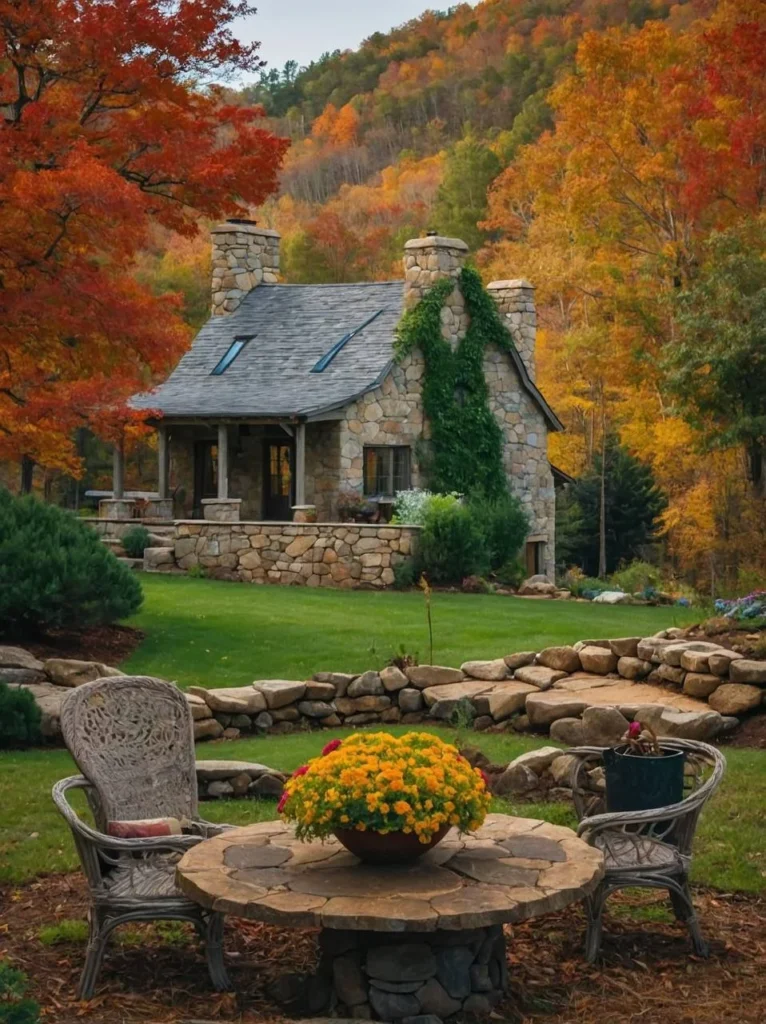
<point>389,848</point>
<point>642,783</point>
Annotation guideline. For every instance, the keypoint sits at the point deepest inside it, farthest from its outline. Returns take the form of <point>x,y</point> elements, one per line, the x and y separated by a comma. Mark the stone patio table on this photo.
<point>397,941</point>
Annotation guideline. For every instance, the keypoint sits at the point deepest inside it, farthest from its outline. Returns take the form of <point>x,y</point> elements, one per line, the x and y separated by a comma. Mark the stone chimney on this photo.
<point>516,302</point>
<point>244,256</point>
<point>426,261</point>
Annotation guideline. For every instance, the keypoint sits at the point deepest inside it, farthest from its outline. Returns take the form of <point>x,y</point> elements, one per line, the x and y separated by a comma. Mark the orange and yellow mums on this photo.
<point>382,783</point>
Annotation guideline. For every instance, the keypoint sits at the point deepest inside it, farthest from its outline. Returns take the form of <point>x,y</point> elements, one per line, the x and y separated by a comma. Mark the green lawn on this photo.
<point>730,850</point>
<point>211,633</point>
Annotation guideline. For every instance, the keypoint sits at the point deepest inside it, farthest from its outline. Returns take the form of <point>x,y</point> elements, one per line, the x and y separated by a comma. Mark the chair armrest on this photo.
<point>174,844</point>
<point>210,829</point>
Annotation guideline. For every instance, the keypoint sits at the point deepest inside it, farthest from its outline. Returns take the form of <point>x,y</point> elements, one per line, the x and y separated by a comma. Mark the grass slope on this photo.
<point>730,853</point>
<point>210,633</point>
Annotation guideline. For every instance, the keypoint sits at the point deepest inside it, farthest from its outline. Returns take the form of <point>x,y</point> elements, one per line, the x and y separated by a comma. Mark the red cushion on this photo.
<point>144,829</point>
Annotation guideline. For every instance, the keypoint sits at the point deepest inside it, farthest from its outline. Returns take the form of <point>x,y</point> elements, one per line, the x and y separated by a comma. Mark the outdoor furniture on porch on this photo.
<point>650,848</point>
<point>132,738</point>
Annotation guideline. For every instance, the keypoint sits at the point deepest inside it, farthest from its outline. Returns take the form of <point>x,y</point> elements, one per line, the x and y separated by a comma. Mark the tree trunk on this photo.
<point>27,469</point>
<point>602,508</point>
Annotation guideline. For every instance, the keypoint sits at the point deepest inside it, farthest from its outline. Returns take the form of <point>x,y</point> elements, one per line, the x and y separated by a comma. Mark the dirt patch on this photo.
<point>647,975</point>
<point>109,644</point>
<point>751,733</point>
<point>749,642</point>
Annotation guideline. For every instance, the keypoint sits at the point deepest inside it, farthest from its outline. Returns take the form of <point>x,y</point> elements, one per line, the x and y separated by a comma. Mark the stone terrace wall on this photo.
<point>313,555</point>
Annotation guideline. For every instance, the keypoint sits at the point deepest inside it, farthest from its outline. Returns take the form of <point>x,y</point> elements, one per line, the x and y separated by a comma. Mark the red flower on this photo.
<point>485,777</point>
<point>282,801</point>
<point>300,771</point>
<point>332,745</point>
<point>634,730</point>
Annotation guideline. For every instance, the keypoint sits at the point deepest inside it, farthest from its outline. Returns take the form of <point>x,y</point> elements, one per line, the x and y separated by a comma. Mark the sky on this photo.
<point>303,30</point>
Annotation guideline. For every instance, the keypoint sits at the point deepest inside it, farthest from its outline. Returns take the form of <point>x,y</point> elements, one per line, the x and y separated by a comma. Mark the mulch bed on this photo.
<point>648,975</point>
<point>751,732</point>
<point>108,644</point>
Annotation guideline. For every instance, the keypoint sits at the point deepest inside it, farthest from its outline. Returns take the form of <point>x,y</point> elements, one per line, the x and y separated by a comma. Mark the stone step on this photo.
<point>131,563</point>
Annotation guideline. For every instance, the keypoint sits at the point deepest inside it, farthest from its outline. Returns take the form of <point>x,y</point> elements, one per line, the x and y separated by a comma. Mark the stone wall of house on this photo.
<point>525,451</point>
<point>516,302</point>
<point>323,468</point>
<point>314,555</point>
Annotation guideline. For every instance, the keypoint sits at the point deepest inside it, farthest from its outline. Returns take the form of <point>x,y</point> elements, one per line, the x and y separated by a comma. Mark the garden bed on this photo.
<point>109,644</point>
<point>156,973</point>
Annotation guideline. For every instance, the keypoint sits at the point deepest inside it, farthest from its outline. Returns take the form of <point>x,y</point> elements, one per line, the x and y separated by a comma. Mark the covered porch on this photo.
<point>275,470</point>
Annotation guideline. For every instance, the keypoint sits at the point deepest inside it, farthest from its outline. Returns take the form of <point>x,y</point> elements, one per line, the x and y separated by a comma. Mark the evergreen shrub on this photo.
<point>55,572</point>
<point>135,540</point>
<point>19,718</point>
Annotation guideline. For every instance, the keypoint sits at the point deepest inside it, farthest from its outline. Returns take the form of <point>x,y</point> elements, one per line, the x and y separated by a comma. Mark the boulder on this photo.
<point>279,692</point>
<point>563,659</point>
<point>651,648</point>
<point>507,700</point>
<point>49,699</point>
<point>672,673</point>
<point>721,660</point>
<point>410,700</point>
<point>603,727</point>
<point>736,698</point>
<point>538,675</point>
<point>598,660</point>
<point>263,721</point>
<point>696,661</point>
<point>745,671</point>
<point>625,647</point>
<point>538,760</point>
<point>491,671</point>
<point>452,691</point>
<point>352,705</point>
<point>316,708</point>
<point>539,586</point>
<point>424,676</point>
<point>612,597</point>
<point>198,707</point>
<point>319,691</point>
<point>701,684</point>
<point>544,708</point>
<point>269,785</point>
<point>207,729</point>
<point>366,685</point>
<point>569,731</point>
<point>232,700</point>
<point>22,676</point>
<point>517,779</point>
<point>561,767</point>
<point>214,771</point>
<point>672,654</point>
<point>519,660</point>
<point>17,657</point>
<point>393,678</point>
<point>362,718</point>
<point>159,558</point>
<point>340,680</point>
<point>685,725</point>
<point>633,668</point>
<point>70,672</point>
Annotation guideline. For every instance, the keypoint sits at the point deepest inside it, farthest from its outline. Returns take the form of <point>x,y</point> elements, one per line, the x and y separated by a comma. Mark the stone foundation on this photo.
<point>384,976</point>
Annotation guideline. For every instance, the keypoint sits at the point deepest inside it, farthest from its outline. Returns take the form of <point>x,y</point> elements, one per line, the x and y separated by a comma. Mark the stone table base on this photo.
<point>392,977</point>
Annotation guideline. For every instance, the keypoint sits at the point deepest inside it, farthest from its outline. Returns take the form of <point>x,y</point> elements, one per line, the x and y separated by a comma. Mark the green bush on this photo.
<point>55,572</point>
<point>15,1008</point>
<point>503,524</point>
<point>451,545</point>
<point>19,718</point>
<point>135,540</point>
<point>637,577</point>
<point>511,574</point>
<point>405,574</point>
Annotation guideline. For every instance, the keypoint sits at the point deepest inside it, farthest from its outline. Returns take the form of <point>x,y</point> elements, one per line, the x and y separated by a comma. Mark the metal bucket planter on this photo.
<point>635,783</point>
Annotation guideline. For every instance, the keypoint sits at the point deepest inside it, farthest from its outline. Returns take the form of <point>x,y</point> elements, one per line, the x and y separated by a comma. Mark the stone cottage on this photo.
<point>289,396</point>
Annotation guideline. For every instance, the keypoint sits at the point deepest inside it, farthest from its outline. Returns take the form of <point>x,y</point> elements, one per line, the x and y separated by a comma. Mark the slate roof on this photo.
<point>293,327</point>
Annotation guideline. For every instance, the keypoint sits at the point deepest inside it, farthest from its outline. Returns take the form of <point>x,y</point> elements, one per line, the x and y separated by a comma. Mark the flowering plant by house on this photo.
<point>414,783</point>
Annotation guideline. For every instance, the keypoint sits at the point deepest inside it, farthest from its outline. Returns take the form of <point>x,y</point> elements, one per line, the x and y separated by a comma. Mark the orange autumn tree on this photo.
<point>112,125</point>
<point>658,143</point>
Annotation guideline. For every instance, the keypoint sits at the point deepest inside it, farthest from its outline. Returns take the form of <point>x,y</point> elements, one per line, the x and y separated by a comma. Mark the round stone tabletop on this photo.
<point>509,870</point>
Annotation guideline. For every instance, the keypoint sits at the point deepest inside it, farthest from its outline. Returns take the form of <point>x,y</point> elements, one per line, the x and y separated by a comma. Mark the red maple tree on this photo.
<point>113,120</point>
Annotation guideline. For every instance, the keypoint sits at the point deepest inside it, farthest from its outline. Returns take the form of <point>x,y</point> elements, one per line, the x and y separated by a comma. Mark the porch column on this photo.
<point>300,464</point>
<point>223,461</point>
<point>118,472</point>
<point>163,457</point>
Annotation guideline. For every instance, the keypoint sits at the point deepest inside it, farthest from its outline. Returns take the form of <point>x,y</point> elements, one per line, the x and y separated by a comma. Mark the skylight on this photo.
<point>328,357</point>
<point>231,354</point>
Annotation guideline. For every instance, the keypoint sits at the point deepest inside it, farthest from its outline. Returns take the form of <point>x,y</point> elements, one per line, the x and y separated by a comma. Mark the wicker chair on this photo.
<point>645,848</point>
<point>132,739</point>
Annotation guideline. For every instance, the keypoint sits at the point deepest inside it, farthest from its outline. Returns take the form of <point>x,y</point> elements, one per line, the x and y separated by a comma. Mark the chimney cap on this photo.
<point>434,241</point>
<point>241,220</point>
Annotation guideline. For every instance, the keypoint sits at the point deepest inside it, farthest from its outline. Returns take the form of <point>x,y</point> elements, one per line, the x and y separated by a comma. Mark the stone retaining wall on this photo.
<point>585,693</point>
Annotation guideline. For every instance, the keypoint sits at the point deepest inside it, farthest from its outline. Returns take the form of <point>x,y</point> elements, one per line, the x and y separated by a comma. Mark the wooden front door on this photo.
<point>205,474</point>
<point>278,485</point>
